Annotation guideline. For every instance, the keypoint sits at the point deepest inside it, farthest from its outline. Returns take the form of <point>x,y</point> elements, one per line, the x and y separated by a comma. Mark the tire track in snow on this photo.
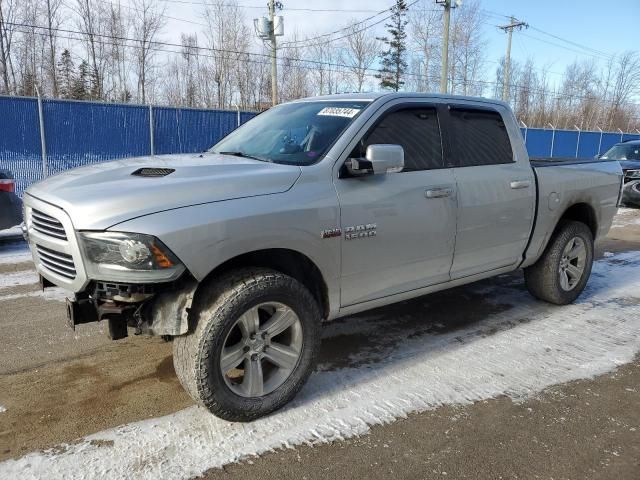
<point>518,353</point>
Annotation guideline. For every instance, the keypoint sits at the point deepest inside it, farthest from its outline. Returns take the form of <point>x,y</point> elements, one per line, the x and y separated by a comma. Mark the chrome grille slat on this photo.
<point>47,231</point>
<point>47,225</point>
<point>48,260</point>
<point>51,223</point>
<point>63,266</point>
<point>57,270</point>
<point>63,257</point>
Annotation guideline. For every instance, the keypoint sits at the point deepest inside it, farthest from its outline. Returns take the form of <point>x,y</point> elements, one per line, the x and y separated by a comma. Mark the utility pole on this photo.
<point>514,23</point>
<point>268,28</point>
<point>448,5</point>
<point>274,63</point>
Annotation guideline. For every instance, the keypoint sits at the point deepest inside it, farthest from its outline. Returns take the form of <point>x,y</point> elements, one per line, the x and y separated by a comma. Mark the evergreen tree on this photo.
<point>28,85</point>
<point>394,63</point>
<point>65,74</point>
<point>94,82</point>
<point>81,82</point>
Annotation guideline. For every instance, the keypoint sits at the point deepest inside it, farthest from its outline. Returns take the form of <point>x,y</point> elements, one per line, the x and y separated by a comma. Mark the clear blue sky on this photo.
<point>607,26</point>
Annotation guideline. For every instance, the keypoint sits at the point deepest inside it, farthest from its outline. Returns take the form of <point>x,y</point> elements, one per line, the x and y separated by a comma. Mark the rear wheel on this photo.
<point>253,347</point>
<point>560,275</point>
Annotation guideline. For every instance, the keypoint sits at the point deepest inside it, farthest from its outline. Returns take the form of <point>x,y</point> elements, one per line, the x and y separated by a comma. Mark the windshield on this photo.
<point>293,133</point>
<point>623,152</point>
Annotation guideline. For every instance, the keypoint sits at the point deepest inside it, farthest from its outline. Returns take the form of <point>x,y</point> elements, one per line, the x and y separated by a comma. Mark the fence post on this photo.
<point>43,142</point>
<point>238,109</point>
<point>526,129</point>
<point>152,147</point>
<point>578,142</point>
<point>600,142</point>
<point>553,138</point>
<point>621,134</point>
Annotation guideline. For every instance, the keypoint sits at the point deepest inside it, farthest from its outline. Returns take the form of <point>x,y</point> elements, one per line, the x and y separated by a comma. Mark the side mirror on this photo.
<point>379,159</point>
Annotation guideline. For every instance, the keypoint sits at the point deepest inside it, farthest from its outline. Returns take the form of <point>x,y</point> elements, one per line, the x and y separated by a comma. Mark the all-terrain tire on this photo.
<point>196,355</point>
<point>543,278</point>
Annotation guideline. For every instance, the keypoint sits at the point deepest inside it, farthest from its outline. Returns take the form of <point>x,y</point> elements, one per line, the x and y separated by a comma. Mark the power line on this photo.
<point>286,44</point>
<point>162,14</point>
<point>312,67</point>
<point>258,7</point>
<point>562,46</point>
<point>331,40</point>
<point>585,50</point>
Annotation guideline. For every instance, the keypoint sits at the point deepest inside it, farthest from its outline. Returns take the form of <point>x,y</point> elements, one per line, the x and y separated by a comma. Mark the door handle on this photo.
<point>516,184</point>
<point>438,192</point>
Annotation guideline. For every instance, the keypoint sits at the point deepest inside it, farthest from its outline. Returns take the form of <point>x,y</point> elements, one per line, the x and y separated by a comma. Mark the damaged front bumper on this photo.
<point>161,309</point>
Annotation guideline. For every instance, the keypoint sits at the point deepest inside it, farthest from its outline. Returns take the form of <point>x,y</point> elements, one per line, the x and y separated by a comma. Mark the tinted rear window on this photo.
<point>479,137</point>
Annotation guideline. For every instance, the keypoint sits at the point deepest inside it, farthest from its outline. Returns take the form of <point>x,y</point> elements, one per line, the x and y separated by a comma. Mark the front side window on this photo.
<point>293,133</point>
<point>623,152</point>
<point>416,130</point>
<point>479,137</point>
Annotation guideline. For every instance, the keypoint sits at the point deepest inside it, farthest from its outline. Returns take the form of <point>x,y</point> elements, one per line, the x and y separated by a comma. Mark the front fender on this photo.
<point>205,236</point>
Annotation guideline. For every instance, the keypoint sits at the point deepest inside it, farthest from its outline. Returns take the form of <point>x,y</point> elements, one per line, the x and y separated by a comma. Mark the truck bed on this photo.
<point>564,182</point>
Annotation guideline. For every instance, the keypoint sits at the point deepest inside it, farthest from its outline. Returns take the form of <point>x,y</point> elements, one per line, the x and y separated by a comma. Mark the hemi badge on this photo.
<point>333,232</point>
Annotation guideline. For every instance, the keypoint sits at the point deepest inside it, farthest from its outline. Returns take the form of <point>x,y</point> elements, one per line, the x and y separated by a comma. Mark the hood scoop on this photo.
<point>153,172</point>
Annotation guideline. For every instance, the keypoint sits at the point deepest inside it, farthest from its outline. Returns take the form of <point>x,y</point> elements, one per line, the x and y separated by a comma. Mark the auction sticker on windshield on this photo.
<point>339,112</point>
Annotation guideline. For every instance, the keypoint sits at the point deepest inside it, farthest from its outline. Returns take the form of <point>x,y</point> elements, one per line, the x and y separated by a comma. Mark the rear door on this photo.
<point>496,191</point>
<point>412,213</point>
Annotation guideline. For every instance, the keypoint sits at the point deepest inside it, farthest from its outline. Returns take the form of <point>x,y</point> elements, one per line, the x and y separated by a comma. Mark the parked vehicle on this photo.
<point>628,154</point>
<point>314,210</point>
<point>10,203</point>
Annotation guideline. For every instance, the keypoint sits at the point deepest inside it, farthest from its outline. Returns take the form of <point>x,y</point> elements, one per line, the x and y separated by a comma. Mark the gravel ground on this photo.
<point>57,386</point>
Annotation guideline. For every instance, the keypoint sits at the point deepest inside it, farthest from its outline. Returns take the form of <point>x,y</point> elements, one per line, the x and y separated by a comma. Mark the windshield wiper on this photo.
<point>244,155</point>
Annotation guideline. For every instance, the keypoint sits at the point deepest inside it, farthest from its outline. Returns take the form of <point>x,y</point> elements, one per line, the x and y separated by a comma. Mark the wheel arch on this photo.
<point>581,212</point>
<point>287,261</point>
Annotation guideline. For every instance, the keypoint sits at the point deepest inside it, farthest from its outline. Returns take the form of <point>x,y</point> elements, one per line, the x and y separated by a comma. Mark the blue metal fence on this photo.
<point>571,143</point>
<point>80,133</point>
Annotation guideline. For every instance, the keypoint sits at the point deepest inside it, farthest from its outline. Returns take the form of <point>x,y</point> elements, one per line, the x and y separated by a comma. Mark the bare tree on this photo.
<point>147,25</point>
<point>90,21</point>
<point>7,16</point>
<point>118,27</point>
<point>362,50</point>
<point>426,39</point>
<point>626,83</point>
<point>53,18</point>
<point>467,49</point>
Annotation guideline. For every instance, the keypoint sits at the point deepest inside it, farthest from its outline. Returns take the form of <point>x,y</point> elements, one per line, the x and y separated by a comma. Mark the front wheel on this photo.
<point>561,274</point>
<point>253,347</point>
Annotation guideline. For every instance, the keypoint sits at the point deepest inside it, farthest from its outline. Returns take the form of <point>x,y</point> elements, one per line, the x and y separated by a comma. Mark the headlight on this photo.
<point>128,257</point>
<point>632,174</point>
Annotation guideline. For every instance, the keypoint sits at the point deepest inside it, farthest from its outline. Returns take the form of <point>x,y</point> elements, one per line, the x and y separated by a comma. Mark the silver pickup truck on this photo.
<point>313,210</point>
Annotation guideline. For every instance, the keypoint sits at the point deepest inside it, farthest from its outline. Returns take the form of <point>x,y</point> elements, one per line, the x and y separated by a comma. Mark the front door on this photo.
<point>413,213</point>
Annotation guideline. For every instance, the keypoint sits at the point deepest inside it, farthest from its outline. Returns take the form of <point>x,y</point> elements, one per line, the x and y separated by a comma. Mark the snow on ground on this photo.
<point>14,253</point>
<point>12,232</point>
<point>626,216</point>
<point>517,353</point>
<point>52,293</point>
<point>15,279</point>
<point>19,253</point>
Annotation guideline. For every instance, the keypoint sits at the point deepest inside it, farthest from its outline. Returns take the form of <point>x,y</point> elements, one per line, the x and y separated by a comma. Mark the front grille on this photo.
<point>57,262</point>
<point>47,225</point>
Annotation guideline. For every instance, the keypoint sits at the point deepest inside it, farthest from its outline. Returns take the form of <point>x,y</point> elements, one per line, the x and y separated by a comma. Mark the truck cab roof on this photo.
<point>372,96</point>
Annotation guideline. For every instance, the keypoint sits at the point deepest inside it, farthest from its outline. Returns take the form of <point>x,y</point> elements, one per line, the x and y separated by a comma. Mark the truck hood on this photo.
<point>99,196</point>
